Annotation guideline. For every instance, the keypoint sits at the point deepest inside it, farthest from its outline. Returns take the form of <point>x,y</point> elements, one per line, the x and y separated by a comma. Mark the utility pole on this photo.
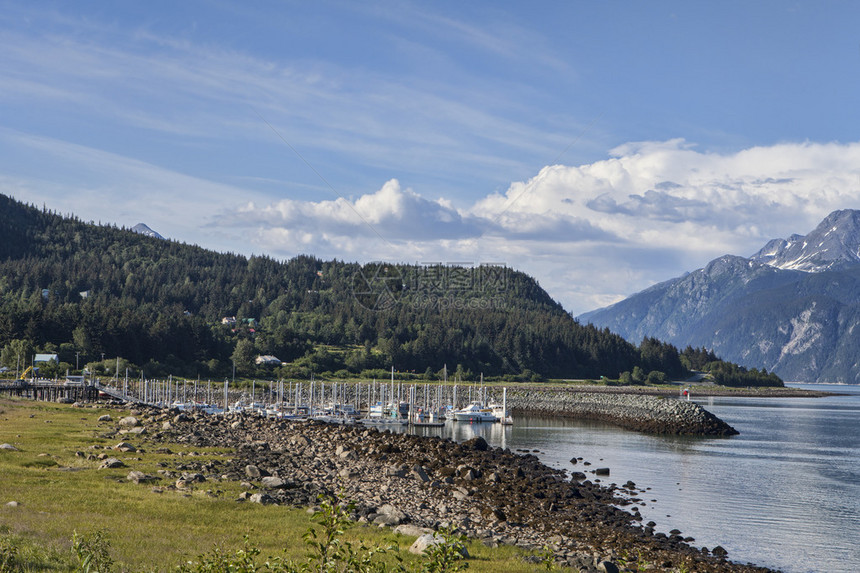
<point>77,365</point>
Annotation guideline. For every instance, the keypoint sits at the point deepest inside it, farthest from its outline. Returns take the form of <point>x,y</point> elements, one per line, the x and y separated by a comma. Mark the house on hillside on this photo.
<point>46,358</point>
<point>267,360</point>
<point>229,320</point>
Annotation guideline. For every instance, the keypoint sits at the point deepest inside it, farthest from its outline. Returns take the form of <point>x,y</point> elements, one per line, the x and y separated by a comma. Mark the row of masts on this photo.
<point>415,402</point>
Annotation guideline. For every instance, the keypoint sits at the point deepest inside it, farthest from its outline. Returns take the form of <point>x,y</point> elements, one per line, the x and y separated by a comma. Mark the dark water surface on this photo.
<point>785,493</point>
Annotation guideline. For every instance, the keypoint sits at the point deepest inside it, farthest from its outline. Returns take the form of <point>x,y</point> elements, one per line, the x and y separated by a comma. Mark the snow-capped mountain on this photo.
<point>793,307</point>
<point>145,230</point>
<point>834,243</point>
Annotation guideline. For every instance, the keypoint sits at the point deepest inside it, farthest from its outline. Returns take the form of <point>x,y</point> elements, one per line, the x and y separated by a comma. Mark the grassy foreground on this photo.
<point>60,492</point>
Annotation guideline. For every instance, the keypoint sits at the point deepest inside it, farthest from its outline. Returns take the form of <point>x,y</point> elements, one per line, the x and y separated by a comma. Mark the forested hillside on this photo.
<point>99,294</point>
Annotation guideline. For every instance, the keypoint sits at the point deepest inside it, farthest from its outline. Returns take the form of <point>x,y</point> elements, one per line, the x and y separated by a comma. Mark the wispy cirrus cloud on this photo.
<point>129,191</point>
<point>153,87</point>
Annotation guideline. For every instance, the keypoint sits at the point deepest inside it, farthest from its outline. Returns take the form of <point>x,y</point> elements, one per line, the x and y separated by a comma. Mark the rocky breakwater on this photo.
<point>419,484</point>
<point>653,414</point>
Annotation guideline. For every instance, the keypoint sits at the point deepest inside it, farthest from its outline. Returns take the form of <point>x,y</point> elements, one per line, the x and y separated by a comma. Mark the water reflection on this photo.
<point>785,493</point>
<point>496,435</point>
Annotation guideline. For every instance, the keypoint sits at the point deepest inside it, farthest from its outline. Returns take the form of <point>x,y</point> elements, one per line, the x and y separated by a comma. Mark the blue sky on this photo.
<point>601,147</point>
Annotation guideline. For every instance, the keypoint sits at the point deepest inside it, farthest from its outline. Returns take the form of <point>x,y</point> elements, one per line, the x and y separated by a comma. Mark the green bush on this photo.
<point>656,377</point>
<point>330,553</point>
<point>446,556</point>
<point>241,561</point>
<point>92,552</point>
<point>8,554</point>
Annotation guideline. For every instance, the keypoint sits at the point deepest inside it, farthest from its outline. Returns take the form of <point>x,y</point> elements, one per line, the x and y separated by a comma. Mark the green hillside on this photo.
<point>92,293</point>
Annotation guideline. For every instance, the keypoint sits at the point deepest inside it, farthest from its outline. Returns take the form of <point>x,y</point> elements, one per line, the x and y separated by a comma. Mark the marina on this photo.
<point>375,403</point>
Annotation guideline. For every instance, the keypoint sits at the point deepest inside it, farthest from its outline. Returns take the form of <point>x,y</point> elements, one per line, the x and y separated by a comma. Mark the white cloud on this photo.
<point>591,233</point>
<point>389,214</point>
<point>146,84</point>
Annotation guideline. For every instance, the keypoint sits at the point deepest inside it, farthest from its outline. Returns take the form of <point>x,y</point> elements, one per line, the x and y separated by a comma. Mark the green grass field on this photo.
<point>60,493</point>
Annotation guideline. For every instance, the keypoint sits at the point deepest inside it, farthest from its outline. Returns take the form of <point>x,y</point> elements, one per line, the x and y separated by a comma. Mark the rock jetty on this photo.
<point>419,484</point>
<point>655,414</point>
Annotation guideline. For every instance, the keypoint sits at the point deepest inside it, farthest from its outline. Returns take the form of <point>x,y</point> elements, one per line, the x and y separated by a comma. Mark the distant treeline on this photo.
<point>114,299</point>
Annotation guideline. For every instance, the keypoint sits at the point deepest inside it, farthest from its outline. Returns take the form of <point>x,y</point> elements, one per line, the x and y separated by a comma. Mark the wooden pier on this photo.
<point>49,390</point>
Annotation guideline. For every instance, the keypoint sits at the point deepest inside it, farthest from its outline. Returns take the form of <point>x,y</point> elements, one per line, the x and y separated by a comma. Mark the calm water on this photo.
<point>785,493</point>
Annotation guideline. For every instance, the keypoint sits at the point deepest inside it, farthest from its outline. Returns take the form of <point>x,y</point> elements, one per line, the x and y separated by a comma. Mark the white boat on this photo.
<point>390,410</point>
<point>383,422</point>
<point>342,410</point>
<point>344,414</point>
<point>474,412</point>
<point>275,411</point>
<point>291,412</point>
<point>328,419</point>
<point>380,414</point>
<point>500,411</point>
<point>252,408</point>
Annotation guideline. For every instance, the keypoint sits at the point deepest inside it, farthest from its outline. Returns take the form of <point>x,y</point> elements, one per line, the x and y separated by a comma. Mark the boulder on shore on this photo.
<point>139,477</point>
<point>428,540</point>
<point>111,463</point>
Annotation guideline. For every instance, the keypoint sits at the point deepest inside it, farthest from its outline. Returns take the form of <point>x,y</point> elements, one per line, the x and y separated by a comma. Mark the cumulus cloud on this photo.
<point>591,233</point>
<point>659,192</point>
<point>391,213</point>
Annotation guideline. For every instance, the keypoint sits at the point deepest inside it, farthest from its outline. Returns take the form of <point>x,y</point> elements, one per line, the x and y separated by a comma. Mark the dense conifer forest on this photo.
<point>113,299</point>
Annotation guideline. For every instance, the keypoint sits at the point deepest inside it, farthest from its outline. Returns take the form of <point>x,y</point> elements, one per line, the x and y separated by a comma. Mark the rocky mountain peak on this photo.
<point>834,243</point>
<point>792,307</point>
<point>143,229</point>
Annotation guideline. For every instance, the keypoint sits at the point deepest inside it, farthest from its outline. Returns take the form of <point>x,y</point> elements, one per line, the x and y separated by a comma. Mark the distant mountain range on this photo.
<point>793,307</point>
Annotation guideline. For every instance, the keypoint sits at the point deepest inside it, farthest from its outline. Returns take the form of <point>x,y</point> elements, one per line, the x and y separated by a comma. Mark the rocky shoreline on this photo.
<point>419,484</point>
<point>644,413</point>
